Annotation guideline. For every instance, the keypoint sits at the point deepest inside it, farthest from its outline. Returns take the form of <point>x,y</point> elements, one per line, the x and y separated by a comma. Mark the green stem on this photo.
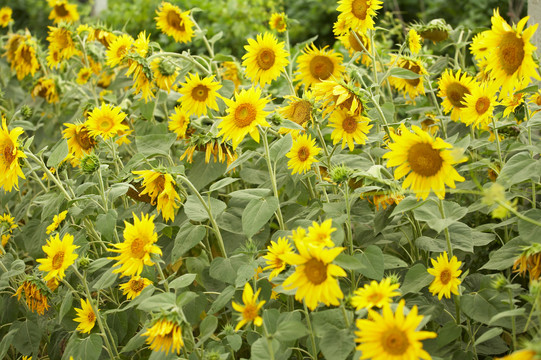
<point>311,330</point>
<point>513,322</point>
<point>102,190</point>
<point>49,174</point>
<point>272,176</point>
<point>165,282</point>
<point>269,341</point>
<point>498,147</point>
<point>517,214</point>
<point>181,56</point>
<point>324,146</point>
<point>446,230</point>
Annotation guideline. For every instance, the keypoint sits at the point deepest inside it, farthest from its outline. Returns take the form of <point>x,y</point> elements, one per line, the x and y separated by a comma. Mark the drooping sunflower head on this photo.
<point>375,294</point>
<point>348,127</point>
<point>359,14</point>
<point>339,94</point>
<point>134,286</point>
<point>85,317</point>
<point>446,275</point>
<point>25,60</point>
<point>165,73</point>
<point>199,94</point>
<point>529,262</point>
<point>80,142</point>
<point>436,30</point>
<point>298,110</point>
<point>5,16</point>
<point>10,153</point>
<point>302,154</point>
<point>265,58</point>
<point>250,311</point>
<point>63,11</point>
<point>414,41</point>
<point>61,40</point>
<point>278,22</point>
<point>174,22</point>
<point>46,88</point>
<point>167,201</point>
<point>105,121</point>
<point>36,294</point>
<point>60,255</point>
<point>154,182</point>
<point>316,65</point>
<point>409,86</point>
<point>274,257</point>
<point>12,44</point>
<point>165,335</point>
<point>453,88</point>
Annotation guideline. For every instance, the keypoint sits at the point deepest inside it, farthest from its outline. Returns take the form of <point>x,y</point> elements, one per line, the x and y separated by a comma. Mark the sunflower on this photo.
<point>426,163</point>
<point>315,275</point>
<point>134,286</point>
<point>5,16</point>
<point>178,122</point>
<point>278,22</point>
<point>316,65</point>
<point>454,87</point>
<point>337,94</point>
<point>7,223</point>
<point>167,201</point>
<point>411,87</point>
<point>480,104</point>
<point>529,262</point>
<point>165,335</point>
<point>414,41</point>
<point>160,186</point>
<point>25,59</point>
<point>229,70</point>
<point>46,88</point>
<point>478,47</point>
<point>265,59</point>
<point>349,127</point>
<point>510,60</point>
<point>198,94</point>
<point>85,317</point>
<point>298,110</point>
<point>244,114</point>
<point>60,255</point>
<point>80,142</point>
<point>54,58</point>
<point>138,245</point>
<point>446,275</point>
<point>61,39</point>
<point>525,354</point>
<point>392,336</point>
<point>512,102</point>
<point>57,220</point>
<point>320,235</point>
<point>83,75</point>
<point>63,11</point>
<point>165,73</point>
<point>430,124</point>
<point>375,294</point>
<point>10,155</point>
<point>118,49</point>
<point>358,14</point>
<point>14,40</point>
<point>302,154</point>
<point>250,311</point>
<point>274,259</point>
<point>35,293</point>
<point>535,99</point>
<point>383,200</point>
<point>105,121</point>
<point>173,22</point>
<point>355,42</point>
<point>142,77</point>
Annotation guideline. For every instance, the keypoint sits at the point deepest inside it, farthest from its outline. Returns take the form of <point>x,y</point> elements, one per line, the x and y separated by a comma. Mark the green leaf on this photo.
<point>182,282</point>
<point>492,333</point>
<point>508,313</point>
<point>416,278</point>
<point>430,213</point>
<point>393,262</point>
<point>197,212</point>
<point>106,223</point>
<point>373,263</point>
<point>290,330</point>
<point>223,299</point>
<point>504,257</point>
<point>288,124</point>
<point>247,155</point>
<point>402,73</point>
<point>280,147</point>
<point>409,203</point>
<point>98,264</point>
<point>5,344</point>
<point>201,174</point>
<point>225,269</point>
<point>235,341</point>
<point>163,301</point>
<point>448,333</point>
<point>478,308</point>
<point>58,153</point>
<point>222,183</point>
<point>207,328</point>
<point>188,236</point>
<point>250,194</point>
<point>519,168</point>
<point>88,348</point>
<point>106,280</point>
<point>336,343</point>
<point>65,306</point>
<point>155,144</point>
<point>528,231</point>
<point>260,349</point>
<point>349,262</point>
<point>117,190</point>
<point>135,342</point>
<point>28,337</point>
<point>257,214</point>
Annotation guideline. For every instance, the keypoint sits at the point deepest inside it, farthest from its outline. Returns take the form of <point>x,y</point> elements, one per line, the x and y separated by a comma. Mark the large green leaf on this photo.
<point>188,236</point>
<point>88,348</point>
<point>155,144</point>
<point>196,211</point>
<point>416,278</point>
<point>373,263</point>
<point>519,168</point>
<point>257,214</point>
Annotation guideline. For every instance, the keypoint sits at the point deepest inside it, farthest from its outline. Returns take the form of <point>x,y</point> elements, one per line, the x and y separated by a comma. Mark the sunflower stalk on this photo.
<point>311,331</point>
<point>49,174</point>
<point>272,175</point>
<point>269,341</point>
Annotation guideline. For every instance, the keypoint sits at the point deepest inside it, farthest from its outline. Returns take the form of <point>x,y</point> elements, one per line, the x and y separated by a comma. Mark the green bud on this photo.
<point>499,282</point>
<point>395,278</point>
<point>277,119</point>
<point>84,262</point>
<point>229,329</point>
<point>340,174</point>
<point>90,163</point>
<point>27,112</point>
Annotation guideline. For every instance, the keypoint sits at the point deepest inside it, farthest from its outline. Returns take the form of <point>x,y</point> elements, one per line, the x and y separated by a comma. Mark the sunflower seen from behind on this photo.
<point>165,73</point>
<point>106,121</point>
<point>315,65</point>
<point>10,155</point>
<point>60,255</point>
<point>165,335</point>
<point>265,59</point>
<point>199,94</point>
<point>85,317</point>
<point>249,311</point>
<point>426,163</point>
<point>302,154</point>
<point>446,273</point>
<point>375,294</point>
<point>174,22</point>
<point>350,128</point>
<point>274,257</point>
<point>453,90</point>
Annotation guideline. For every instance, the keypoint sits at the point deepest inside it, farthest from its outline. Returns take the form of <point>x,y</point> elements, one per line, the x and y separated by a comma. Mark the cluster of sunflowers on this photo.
<point>352,260</point>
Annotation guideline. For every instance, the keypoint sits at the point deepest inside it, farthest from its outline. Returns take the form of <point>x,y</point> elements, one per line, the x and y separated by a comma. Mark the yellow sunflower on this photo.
<point>229,70</point>
<point>160,186</point>
<point>178,122</point>
<point>142,82</point>
<point>134,286</point>
<point>478,47</point>
<point>355,42</point>
<point>118,49</point>
<point>54,58</point>
<point>10,154</point>
<point>46,88</point>
<point>298,110</point>
<point>337,94</point>
<point>349,127</point>
<point>446,275</point>
<point>198,94</point>
<point>80,142</point>
<point>173,22</point>
<point>430,124</point>
<point>83,75</point>
<point>85,317</point>
<point>510,60</point>
<point>411,87</point>
<point>525,354</point>
<point>60,255</point>
<point>320,235</point>
<point>275,252</point>
<point>375,294</point>
<point>453,88</point>
<point>302,154</point>
<point>105,121</point>
<point>414,41</point>
<point>480,104</point>
<point>383,200</point>
<point>535,98</point>
<point>315,65</point>
<point>7,223</point>
<point>12,44</point>
<point>244,114</point>
<point>167,201</point>
<point>265,59</point>
<point>25,59</point>
<point>165,335</point>
<point>165,73</point>
<point>358,14</point>
<point>512,102</point>
<point>138,245</point>
<point>426,163</point>
<point>250,311</point>
<point>5,16</point>
<point>61,40</point>
<point>392,336</point>
<point>35,294</point>
<point>63,11</point>
<point>278,22</point>
<point>57,220</point>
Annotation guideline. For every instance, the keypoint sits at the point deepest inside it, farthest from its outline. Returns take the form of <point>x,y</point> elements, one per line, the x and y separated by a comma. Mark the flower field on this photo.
<point>164,197</point>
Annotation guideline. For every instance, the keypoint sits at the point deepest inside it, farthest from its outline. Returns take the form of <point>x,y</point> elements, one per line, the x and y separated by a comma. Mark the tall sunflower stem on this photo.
<point>49,174</point>
<point>349,232</point>
<point>324,146</point>
<point>165,282</point>
<point>446,230</point>
<point>311,330</point>
<point>269,341</point>
<point>498,146</point>
<point>318,173</point>
<point>102,190</point>
<point>272,176</point>
<point>513,321</point>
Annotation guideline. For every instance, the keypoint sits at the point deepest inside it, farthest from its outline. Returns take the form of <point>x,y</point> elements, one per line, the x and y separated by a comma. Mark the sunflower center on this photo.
<point>375,298</point>
<point>121,51</point>
<point>137,285</point>
<point>91,317</point>
<point>174,20</point>
<point>321,67</point>
<point>424,160</point>
<point>416,69</point>
<point>244,115</point>
<point>511,52</point>
<point>445,276</point>
<point>455,94</point>
<point>354,43</point>
<point>359,8</point>
<point>250,312</point>
<point>58,260</point>
<point>482,104</point>
<point>159,183</point>
<point>303,153</point>
<point>61,10</point>
<point>200,93</point>
<point>43,91</point>
<point>538,100</point>
<point>265,58</point>
<point>26,55</point>
<point>138,248</point>
<point>106,123</point>
<point>84,141</point>
<point>395,342</point>
<point>349,124</point>
<point>301,112</point>
<point>315,271</point>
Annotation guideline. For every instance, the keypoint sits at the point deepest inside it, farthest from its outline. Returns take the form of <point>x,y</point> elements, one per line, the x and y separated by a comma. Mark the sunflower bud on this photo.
<point>340,174</point>
<point>213,355</point>
<point>84,262</point>
<point>228,329</point>
<point>90,164</point>
<point>499,282</point>
<point>277,119</point>
<point>27,112</point>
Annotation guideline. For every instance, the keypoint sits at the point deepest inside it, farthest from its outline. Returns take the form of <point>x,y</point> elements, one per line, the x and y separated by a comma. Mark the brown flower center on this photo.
<point>245,114</point>
<point>250,312</point>
<point>303,154</point>
<point>200,93</point>
<point>424,160</point>
<point>354,43</point>
<point>482,104</point>
<point>315,271</point>
<point>58,260</point>
<point>359,8</point>
<point>538,100</point>
<point>511,52</point>
<point>137,285</point>
<point>138,248</point>
<point>321,67</point>
<point>416,69</point>
<point>395,342</point>
<point>26,55</point>
<point>265,58</point>
<point>301,112</point>
<point>91,317</point>
<point>349,124</point>
<point>174,20</point>
<point>445,276</point>
<point>84,140</point>
<point>121,51</point>
<point>455,94</point>
<point>61,10</point>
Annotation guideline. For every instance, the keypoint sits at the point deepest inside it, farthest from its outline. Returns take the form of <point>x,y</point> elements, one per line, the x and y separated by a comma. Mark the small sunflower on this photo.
<point>358,14</point>
<point>244,114</point>
<point>274,259</point>
<point>337,94</point>
<point>46,88</point>
<point>138,245</point>
<point>316,65</point>
<point>57,220</point>
<point>5,16</point>
<point>480,105</point>
<point>36,295</point>
<point>511,103</point>
<point>178,122</point>
<point>265,59</point>
<point>85,317</point>
<point>105,121</point>
<point>63,11</point>
<point>430,123</point>
<point>392,336</point>
<point>83,75</point>
<point>453,88</point>
<point>118,49</point>
<point>320,235</point>
<point>298,110</point>
<point>535,99</point>
<point>134,286</point>
<point>165,335</point>
<point>165,73</point>
<point>348,127</point>
<point>414,41</point>
<point>173,22</point>
<point>478,47</point>
<point>278,22</point>
<point>426,163</point>
<point>60,255</point>
<point>167,201</point>
<point>12,44</point>
<point>10,155</point>
<point>61,39</point>
<point>80,142</point>
<point>355,42</point>
<point>160,187</point>
<point>250,311</point>
<point>25,59</point>
<point>375,294</point>
<point>446,275</point>
<point>199,94</point>
<point>411,87</point>
<point>302,154</point>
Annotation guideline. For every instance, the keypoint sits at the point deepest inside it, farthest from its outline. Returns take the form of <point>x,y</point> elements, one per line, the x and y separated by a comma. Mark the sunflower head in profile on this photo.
<point>356,42</point>
<point>436,30</point>
<point>392,336</point>
<point>165,73</point>
<point>275,252</point>
<point>411,87</point>
<point>61,39</point>
<point>25,59</point>
<point>278,22</point>
<point>199,94</point>
<point>453,88</point>
<point>60,255</point>
<point>446,275</point>
<point>480,104</point>
<point>375,294</point>
<point>36,294</point>
<point>426,163</point>
<point>249,312</point>
<point>10,153</point>
<point>134,286</point>
<point>244,114</point>
<point>359,14</point>
<point>348,127</point>
<point>63,11</point>
<point>106,121</point>
<point>80,142</point>
<point>298,110</point>
<point>165,334</point>
<point>46,88</point>
<point>174,22</point>
<point>12,44</point>
<point>302,154</point>
<point>265,59</point>
<point>178,122</point>
<point>85,317</point>
<point>415,43</point>
<point>316,65</point>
